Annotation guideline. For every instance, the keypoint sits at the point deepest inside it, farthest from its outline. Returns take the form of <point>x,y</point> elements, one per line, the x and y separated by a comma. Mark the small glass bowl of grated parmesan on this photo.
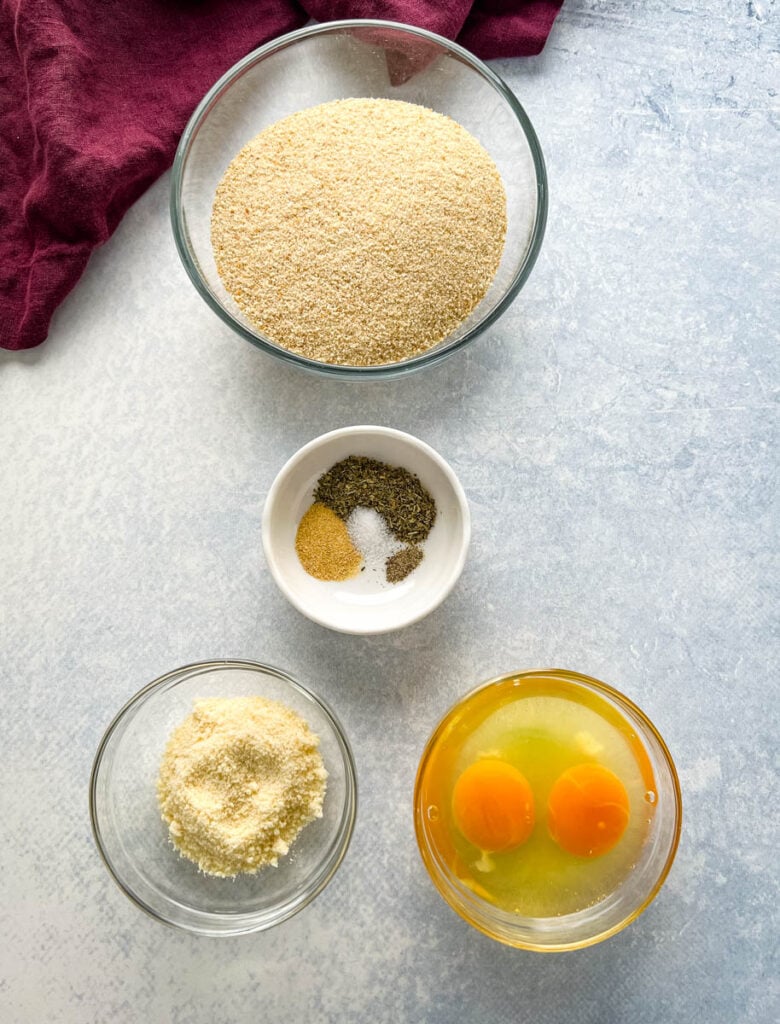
<point>359,198</point>
<point>223,797</point>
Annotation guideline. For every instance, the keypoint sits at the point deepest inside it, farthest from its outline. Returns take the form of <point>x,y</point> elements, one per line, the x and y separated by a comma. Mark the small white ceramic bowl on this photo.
<point>350,607</point>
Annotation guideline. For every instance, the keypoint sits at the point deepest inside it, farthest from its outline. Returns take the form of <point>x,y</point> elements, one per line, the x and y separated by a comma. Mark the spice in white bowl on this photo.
<point>372,538</point>
<point>324,545</point>
<point>367,517</point>
<point>400,564</point>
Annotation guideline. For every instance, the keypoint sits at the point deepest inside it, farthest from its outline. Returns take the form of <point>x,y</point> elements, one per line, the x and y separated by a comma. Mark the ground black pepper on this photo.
<point>399,565</point>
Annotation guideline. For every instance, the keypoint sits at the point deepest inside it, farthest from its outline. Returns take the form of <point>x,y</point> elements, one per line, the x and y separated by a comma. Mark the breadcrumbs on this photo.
<point>361,231</point>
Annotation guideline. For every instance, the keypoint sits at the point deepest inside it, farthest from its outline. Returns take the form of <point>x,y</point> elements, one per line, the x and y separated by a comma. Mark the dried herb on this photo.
<point>399,565</point>
<point>392,491</point>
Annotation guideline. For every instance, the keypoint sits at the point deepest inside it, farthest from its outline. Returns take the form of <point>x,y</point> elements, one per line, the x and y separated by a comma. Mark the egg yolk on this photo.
<point>588,810</point>
<point>493,805</point>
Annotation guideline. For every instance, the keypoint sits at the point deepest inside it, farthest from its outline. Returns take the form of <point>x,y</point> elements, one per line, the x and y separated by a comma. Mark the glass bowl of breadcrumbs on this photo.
<point>223,797</point>
<point>359,198</point>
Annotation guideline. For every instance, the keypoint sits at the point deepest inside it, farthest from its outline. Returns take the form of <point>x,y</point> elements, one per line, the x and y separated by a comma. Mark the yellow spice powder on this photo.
<point>324,546</point>
<point>239,779</point>
<point>361,231</point>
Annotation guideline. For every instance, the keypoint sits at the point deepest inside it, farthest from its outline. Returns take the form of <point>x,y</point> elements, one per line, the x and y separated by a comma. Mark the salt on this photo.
<point>370,535</point>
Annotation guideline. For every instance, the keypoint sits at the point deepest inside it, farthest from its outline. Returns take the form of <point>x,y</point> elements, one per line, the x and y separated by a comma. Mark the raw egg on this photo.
<point>493,805</point>
<point>589,777</point>
<point>587,810</point>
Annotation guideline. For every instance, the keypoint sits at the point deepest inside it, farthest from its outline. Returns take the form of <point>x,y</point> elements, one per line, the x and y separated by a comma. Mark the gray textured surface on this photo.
<point>617,437</point>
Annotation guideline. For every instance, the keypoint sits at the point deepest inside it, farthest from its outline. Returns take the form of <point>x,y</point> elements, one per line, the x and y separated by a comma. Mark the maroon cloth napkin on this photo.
<point>95,93</point>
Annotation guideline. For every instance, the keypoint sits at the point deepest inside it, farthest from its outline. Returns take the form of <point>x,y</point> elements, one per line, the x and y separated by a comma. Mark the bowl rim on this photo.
<point>624,703</point>
<point>404,438</point>
<point>384,370</point>
<point>245,923</point>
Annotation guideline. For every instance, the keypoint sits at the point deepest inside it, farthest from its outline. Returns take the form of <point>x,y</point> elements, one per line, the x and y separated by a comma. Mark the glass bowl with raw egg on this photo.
<point>547,810</point>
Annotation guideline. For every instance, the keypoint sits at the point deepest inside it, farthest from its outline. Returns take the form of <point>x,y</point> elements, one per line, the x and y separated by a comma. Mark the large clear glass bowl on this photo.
<point>133,839</point>
<point>353,59</point>
<point>619,907</point>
